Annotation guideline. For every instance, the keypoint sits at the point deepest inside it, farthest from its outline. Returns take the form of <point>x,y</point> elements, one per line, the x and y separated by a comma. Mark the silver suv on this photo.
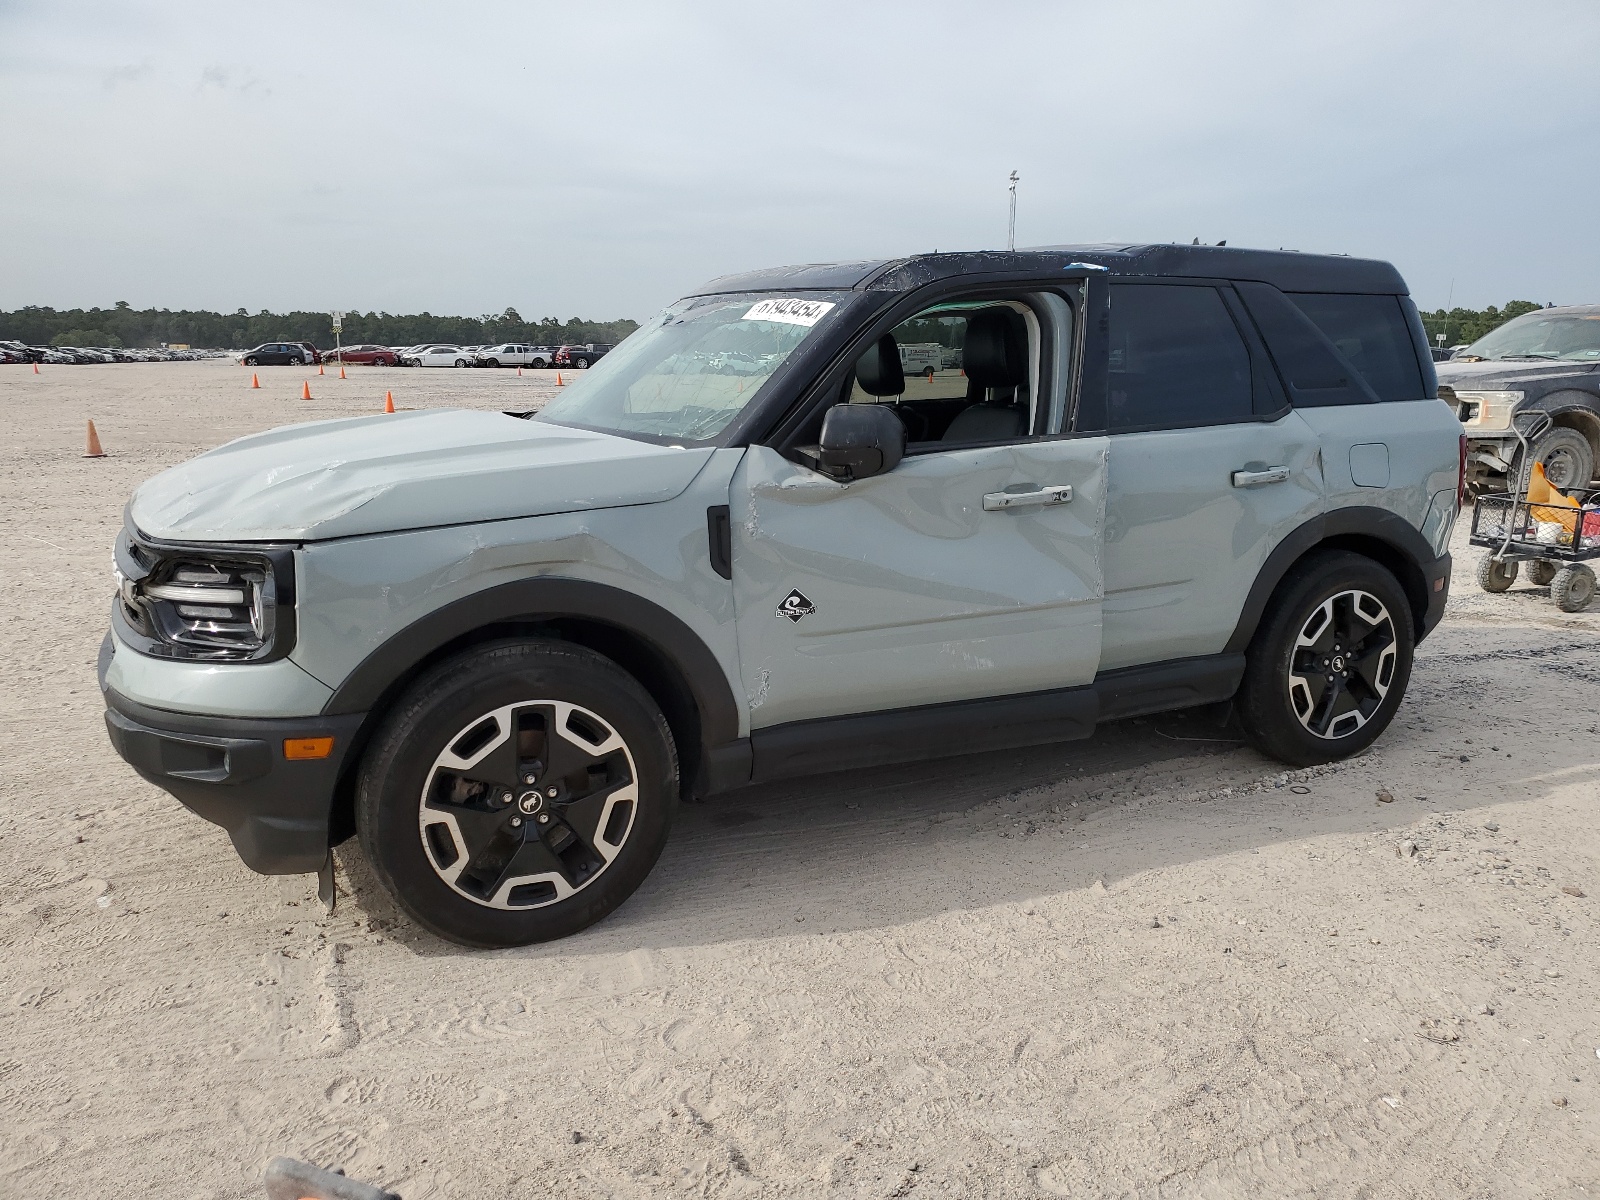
<point>748,545</point>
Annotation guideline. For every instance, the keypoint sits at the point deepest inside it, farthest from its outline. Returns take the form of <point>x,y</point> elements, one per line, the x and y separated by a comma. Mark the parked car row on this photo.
<point>506,354</point>
<point>21,352</point>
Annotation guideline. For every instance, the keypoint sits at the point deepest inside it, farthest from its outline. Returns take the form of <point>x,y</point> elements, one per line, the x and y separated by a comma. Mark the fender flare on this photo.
<point>548,599</point>
<point>1407,548</point>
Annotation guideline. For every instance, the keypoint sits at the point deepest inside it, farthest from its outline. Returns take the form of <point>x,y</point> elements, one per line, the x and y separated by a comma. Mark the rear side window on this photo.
<point>1176,358</point>
<point>1373,334</point>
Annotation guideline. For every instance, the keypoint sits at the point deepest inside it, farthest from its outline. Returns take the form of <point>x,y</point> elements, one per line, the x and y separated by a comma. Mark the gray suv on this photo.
<point>748,546</point>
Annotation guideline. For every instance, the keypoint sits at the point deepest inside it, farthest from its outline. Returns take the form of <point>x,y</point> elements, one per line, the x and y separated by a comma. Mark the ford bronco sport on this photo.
<point>748,546</point>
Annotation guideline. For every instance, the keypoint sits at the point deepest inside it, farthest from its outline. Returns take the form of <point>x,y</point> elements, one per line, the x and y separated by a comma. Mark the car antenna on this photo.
<point>1011,229</point>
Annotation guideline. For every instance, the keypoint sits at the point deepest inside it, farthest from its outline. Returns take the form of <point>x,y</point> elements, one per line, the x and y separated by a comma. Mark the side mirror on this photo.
<point>860,440</point>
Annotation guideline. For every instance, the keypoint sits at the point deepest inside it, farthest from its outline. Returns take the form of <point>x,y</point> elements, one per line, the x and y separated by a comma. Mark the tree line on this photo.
<point>1468,325</point>
<point>125,326</point>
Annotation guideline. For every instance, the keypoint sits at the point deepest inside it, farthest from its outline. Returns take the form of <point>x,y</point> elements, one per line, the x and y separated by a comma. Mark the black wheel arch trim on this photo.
<point>547,600</point>
<point>1399,546</point>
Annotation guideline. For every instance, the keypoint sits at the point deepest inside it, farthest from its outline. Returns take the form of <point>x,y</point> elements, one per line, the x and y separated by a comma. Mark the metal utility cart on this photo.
<point>1555,540</point>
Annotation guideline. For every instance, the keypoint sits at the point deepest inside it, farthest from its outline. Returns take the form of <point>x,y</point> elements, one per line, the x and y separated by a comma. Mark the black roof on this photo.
<point>1288,270</point>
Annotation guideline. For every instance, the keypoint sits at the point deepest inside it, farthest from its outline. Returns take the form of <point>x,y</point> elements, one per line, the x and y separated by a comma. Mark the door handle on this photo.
<point>1060,493</point>
<point>1257,478</point>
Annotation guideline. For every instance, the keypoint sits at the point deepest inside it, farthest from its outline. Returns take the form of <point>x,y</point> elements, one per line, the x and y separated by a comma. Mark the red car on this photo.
<point>375,356</point>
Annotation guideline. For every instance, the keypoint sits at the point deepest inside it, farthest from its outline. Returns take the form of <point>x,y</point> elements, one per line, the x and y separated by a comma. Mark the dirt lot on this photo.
<point>1145,965</point>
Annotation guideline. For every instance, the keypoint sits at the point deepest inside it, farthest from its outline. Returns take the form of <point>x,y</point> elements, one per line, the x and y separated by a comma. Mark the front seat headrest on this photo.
<point>994,353</point>
<point>878,371</point>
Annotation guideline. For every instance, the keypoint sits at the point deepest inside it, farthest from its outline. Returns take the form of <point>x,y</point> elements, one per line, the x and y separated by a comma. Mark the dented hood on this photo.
<point>379,474</point>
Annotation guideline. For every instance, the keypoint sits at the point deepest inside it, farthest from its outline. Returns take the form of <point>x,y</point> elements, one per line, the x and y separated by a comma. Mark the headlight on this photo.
<point>216,603</point>
<point>1486,410</point>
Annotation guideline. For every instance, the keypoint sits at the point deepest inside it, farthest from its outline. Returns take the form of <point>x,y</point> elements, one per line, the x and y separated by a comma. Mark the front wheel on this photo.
<point>518,793</point>
<point>1565,455</point>
<point>1330,662</point>
<point>583,364</point>
<point>252,362</point>
<point>1496,575</point>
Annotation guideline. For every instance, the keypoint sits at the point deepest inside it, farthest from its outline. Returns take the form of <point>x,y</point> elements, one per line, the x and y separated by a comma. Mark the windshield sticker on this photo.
<point>789,312</point>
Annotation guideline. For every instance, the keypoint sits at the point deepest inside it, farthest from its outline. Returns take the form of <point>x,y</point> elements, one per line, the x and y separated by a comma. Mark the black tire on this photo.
<point>582,364</point>
<point>1566,456</point>
<point>1573,587</point>
<point>1495,575</point>
<point>461,362</point>
<point>493,362</point>
<point>1541,571</point>
<point>252,362</point>
<point>491,692</point>
<point>1285,707</point>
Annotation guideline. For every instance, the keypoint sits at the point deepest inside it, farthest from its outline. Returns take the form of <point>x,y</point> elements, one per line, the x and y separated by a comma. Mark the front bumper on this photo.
<point>232,771</point>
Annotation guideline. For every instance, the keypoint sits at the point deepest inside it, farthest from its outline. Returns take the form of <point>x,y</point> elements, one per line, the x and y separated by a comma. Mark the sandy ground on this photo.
<point>1145,965</point>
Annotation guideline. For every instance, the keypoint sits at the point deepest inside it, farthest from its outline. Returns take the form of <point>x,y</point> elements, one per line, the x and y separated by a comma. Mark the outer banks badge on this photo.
<point>795,605</point>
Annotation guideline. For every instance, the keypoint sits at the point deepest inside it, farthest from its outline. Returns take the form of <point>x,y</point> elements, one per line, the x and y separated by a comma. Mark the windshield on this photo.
<point>685,375</point>
<point>1569,337</point>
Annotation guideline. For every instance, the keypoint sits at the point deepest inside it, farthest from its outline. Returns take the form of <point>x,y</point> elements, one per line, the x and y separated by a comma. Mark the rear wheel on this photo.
<point>582,364</point>
<point>1573,587</point>
<point>1541,571</point>
<point>518,793</point>
<point>1495,575</point>
<point>1330,662</point>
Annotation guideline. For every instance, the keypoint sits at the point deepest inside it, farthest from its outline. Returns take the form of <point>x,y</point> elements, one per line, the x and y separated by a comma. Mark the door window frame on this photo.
<point>827,387</point>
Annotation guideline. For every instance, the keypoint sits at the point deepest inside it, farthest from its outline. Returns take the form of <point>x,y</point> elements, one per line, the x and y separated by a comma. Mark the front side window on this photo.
<point>1373,335</point>
<point>1176,359</point>
<point>973,371</point>
<point>687,373</point>
<point>1569,337</point>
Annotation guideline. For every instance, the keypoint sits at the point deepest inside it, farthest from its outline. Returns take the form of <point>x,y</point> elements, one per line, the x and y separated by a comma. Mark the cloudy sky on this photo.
<point>597,159</point>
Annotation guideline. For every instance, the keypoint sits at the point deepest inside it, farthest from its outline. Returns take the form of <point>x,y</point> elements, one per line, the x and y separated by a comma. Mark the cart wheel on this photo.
<point>1541,571</point>
<point>1572,588</point>
<point>1495,575</point>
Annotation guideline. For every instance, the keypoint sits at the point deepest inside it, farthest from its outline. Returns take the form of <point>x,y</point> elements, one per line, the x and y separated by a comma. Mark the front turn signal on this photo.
<point>303,748</point>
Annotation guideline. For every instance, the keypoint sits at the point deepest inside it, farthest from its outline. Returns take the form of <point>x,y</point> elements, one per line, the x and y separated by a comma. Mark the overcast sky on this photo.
<point>597,159</point>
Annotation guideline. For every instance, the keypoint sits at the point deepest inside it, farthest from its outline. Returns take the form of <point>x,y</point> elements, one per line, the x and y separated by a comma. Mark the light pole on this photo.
<point>1011,229</point>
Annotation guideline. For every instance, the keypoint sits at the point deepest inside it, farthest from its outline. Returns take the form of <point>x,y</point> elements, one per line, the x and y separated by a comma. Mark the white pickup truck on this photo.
<point>514,354</point>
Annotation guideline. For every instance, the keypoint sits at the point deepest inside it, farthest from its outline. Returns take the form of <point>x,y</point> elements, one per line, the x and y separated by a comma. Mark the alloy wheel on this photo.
<point>1342,664</point>
<point>528,804</point>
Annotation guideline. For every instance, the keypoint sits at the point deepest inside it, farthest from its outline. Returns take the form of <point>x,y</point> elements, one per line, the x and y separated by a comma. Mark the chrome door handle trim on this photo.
<point>1257,478</point>
<point>1058,494</point>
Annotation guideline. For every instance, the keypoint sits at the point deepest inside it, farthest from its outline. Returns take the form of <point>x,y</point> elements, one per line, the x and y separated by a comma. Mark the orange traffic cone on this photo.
<point>92,447</point>
<point>519,372</point>
<point>255,380</point>
<point>320,371</point>
<point>388,402</point>
<point>35,368</point>
<point>341,370</point>
<point>558,380</point>
<point>305,390</point>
